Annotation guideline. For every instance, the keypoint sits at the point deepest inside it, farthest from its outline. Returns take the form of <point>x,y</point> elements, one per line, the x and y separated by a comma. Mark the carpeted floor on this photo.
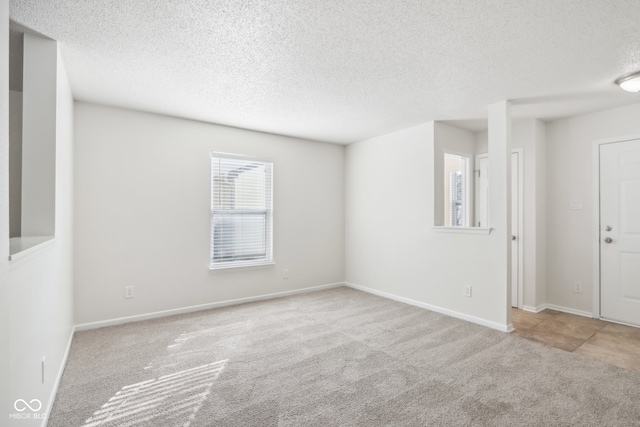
<point>335,357</point>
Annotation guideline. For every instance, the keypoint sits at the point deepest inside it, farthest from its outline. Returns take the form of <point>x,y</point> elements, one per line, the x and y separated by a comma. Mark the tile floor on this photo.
<point>607,342</point>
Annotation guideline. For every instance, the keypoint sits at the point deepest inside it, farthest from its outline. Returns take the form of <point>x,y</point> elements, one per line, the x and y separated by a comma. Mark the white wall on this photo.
<point>40,285</point>
<point>529,134</point>
<point>569,174</point>
<point>143,213</point>
<point>38,136</point>
<point>15,163</point>
<point>5,405</point>
<point>540,206</point>
<point>499,247</point>
<point>481,138</point>
<point>391,246</point>
<point>526,136</point>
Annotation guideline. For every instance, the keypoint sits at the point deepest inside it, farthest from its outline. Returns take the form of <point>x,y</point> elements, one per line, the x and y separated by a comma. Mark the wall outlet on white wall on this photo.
<point>285,273</point>
<point>467,290</point>
<point>575,204</point>
<point>128,292</point>
<point>577,287</point>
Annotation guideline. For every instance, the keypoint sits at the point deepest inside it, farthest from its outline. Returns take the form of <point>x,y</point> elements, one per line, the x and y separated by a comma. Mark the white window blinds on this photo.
<point>241,211</point>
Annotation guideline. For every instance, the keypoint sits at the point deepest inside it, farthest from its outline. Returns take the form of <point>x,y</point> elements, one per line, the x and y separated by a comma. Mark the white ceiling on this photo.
<point>341,70</point>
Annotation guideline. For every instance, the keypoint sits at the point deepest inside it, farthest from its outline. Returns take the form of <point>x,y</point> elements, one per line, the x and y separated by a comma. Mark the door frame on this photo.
<point>595,203</point>
<point>520,231</point>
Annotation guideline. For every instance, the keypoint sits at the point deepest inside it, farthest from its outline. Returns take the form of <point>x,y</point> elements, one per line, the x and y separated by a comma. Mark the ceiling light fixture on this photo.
<point>630,82</point>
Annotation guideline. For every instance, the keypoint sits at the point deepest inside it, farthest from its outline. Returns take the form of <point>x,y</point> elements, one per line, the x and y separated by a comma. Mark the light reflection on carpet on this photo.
<point>173,398</point>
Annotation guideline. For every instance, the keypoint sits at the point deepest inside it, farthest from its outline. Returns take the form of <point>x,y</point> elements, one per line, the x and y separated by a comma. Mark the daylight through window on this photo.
<point>456,197</point>
<point>241,211</point>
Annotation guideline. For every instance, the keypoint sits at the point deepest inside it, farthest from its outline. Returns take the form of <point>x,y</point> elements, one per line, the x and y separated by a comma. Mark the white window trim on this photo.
<point>466,183</point>
<point>462,230</point>
<point>268,259</point>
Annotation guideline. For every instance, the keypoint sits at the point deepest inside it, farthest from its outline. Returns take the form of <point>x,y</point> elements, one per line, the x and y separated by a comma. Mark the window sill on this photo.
<point>461,230</point>
<point>229,267</point>
<point>23,247</point>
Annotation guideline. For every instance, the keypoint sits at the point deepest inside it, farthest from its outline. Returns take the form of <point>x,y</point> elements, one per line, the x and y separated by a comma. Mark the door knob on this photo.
<point>607,228</point>
<point>608,240</point>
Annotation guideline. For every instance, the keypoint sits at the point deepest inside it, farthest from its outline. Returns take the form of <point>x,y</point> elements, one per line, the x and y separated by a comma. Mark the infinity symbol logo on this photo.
<point>21,403</point>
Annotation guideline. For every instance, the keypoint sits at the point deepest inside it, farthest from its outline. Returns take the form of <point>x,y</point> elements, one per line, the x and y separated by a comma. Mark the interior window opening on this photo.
<point>456,176</point>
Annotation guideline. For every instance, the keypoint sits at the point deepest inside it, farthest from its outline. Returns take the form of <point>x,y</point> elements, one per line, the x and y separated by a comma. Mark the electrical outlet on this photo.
<point>285,274</point>
<point>467,290</point>
<point>575,204</point>
<point>128,292</point>
<point>577,287</point>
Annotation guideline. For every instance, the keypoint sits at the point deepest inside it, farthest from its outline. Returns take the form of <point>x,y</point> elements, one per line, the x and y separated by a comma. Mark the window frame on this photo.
<point>251,261</point>
<point>466,189</point>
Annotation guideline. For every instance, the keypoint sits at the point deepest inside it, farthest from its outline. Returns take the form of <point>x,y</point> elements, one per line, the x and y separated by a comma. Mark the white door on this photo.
<point>620,231</point>
<point>515,226</point>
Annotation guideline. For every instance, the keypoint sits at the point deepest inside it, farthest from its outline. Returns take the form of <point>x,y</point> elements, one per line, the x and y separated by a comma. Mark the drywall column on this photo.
<point>40,289</point>
<point>500,195</point>
<point>5,405</point>
<point>540,144</point>
<point>39,136</point>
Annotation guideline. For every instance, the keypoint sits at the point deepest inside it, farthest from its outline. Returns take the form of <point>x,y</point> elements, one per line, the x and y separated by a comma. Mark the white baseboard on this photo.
<point>537,309</point>
<point>56,384</point>
<point>456,314</point>
<point>542,307</point>
<point>567,310</point>
<point>200,307</point>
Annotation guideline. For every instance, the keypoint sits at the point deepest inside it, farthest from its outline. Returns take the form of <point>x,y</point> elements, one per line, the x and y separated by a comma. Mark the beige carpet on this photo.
<point>335,357</point>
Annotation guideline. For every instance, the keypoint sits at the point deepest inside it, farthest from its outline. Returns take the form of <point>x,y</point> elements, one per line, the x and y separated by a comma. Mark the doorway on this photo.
<point>618,231</point>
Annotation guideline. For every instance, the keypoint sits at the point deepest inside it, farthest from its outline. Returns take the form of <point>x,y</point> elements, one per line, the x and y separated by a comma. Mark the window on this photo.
<point>455,198</point>
<point>455,192</point>
<point>241,211</point>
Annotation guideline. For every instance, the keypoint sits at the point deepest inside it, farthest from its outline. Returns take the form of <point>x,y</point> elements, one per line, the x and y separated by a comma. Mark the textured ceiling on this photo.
<point>340,70</point>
